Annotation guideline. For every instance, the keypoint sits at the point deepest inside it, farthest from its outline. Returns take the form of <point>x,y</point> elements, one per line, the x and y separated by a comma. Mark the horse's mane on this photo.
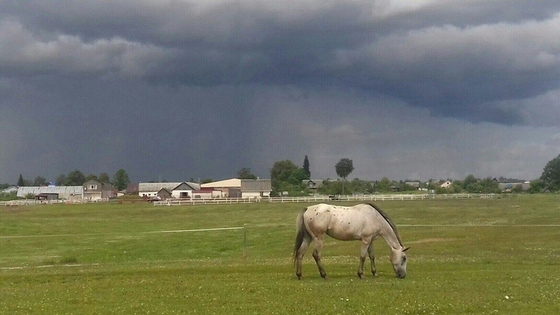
<point>393,226</point>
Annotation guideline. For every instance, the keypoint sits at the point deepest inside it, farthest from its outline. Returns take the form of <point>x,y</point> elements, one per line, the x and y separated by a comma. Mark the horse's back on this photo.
<point>343,223</point>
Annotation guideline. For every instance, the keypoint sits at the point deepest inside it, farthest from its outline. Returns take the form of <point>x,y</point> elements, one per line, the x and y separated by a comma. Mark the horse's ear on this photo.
<point>405,249</point>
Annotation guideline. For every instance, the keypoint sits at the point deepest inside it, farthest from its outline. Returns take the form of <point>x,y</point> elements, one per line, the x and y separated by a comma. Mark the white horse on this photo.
<point>363,222</point>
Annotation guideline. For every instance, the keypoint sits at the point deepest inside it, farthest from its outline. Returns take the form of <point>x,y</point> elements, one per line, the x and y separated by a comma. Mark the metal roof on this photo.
<point>145,187</point>
<point>230,183</point>
<point>35,190</point>
<point>157,186</point>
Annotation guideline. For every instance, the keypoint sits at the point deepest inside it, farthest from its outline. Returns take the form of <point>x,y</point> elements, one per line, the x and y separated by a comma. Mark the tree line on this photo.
<point>76,178</point>
<point>287,177</point>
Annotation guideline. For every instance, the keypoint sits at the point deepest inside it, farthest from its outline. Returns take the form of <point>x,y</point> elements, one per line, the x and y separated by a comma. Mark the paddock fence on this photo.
<point>286,199</point>
<point>322,198</point>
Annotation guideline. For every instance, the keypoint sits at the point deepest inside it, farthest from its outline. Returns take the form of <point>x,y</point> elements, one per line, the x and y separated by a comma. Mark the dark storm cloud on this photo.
<point>214,76</point>
<point>448,57</point>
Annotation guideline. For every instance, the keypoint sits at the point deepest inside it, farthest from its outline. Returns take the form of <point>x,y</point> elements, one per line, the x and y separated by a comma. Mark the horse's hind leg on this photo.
<point>299,255</point>
<point>372,258</point>
<point>317,256</point>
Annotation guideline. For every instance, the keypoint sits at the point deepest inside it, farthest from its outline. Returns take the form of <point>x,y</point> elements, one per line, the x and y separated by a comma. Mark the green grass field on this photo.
<point>498,256</point>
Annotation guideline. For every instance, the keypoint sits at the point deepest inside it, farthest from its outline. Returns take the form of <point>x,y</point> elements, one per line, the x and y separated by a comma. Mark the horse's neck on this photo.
<point>391,241</point>
<point>390,237</point>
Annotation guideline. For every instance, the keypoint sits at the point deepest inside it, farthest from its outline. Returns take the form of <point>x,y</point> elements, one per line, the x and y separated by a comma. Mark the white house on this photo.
<point>446,184</point>
<point>177,189</point>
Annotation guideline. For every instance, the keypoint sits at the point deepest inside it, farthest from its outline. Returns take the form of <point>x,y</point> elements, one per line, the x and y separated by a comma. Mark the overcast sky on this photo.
<point>174,90</point>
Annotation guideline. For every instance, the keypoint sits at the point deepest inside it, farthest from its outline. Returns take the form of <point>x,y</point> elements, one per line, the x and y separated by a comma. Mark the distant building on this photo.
<point>509,185</point>
<point>206,193</point>
<point>312,184</point>
<point>131,189</point>
<point>413,183</point>
<point>96,190</point>
<point>177,189</point>
<point>9,190</point>
<point>446,184</point>
<point>241,188</point>
<point>62,192</point>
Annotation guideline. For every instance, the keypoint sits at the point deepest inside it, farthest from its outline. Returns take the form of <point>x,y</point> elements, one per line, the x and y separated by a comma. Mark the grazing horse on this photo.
<point>363,222</point>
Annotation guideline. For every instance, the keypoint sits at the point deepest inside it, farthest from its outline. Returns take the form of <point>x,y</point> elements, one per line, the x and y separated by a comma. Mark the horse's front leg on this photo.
<point>363,255</point>
<point>372,258</point>
<point>317,257</point>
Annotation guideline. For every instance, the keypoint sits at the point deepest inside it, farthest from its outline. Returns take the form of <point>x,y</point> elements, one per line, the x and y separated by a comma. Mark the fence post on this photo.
<point>244,240</point>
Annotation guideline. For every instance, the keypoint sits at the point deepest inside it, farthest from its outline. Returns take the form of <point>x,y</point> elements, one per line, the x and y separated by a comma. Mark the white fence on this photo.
<point>27,202</point>
<point>307,199</point>
<point>313,199</point>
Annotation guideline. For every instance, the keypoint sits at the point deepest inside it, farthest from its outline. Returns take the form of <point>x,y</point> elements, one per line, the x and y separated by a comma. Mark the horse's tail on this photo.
<point>301,233</point>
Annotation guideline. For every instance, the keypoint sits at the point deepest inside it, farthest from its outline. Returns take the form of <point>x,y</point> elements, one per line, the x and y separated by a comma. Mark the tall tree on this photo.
<point>306,167</point>
<point>551,174</point>
<point>21,181</point>
<point>121,180</point>
<point>343,168</point>
<point>245,173</point>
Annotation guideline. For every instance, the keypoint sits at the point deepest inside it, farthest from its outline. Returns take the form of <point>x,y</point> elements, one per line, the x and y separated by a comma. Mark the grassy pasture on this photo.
<point>497,256</point>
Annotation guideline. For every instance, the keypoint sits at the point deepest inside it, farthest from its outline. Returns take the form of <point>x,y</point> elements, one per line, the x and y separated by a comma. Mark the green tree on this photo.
<point>384,185</point>
<point>90,177</point>
<point>470,184</point>
<point>331,187</point>
<point>40,181</point>
<point>245,173</point>
<point>104,178</point>
<point>343,168</point>
<point>75,178</point>
<point>536,186</point>
<point>286,176</point>
<point>60,180</point>
<point>306,169</point>
<point>121,180</point>
<point>21,181</point>
<point>551,174</point>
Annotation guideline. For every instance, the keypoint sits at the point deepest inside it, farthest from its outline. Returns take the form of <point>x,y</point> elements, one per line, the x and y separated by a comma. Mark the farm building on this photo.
<point>241,188</point>
<point>312,184</point>
<point>510,185</point>
<point>96,190</point>
<point>206,193</point>
<point>61,192</point>
<point>9,190</point>
<point>177,189</point>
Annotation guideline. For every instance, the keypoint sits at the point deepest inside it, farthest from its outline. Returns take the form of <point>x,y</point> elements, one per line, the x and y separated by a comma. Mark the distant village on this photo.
<point>95,190</point>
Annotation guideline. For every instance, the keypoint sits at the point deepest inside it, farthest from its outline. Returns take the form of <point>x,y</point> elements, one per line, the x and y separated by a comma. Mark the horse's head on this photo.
<point>398,259</point>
